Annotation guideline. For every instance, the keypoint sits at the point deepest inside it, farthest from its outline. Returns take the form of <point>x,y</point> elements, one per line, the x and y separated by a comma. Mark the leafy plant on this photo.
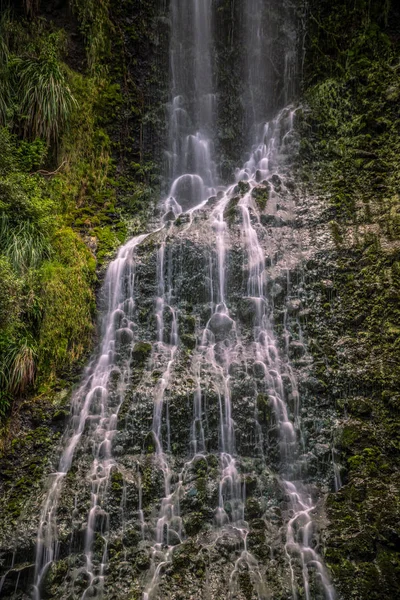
<point>45,98</point>
<point>18,366</point>
<point>95,24</point>
<point>4,403</point>
<point>5,88</point>
<point>25,246</point>
<point>22,367</point>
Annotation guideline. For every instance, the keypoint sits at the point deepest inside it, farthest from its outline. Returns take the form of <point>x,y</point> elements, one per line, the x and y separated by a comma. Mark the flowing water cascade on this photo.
<point>192,108</point>
<point>300,524</point>
<point>185,468</point>
<point>270,60</point>
<point>168,529</point>
<point>95,412</point>
<point>219,350</point>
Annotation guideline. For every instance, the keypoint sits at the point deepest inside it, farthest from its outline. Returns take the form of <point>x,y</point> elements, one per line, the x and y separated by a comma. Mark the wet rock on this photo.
<point>169,217</point>
<point>261,196</point>
<point>294,305</point>
<point>141,351</point>
<point>273,221</point>
<point>242,188</point>
<point>231,211</point>
<point>248,309</point>
<point>296,349</point>
<point>188,191</point>
<point>276,182</point>
<point>221,326</point>
<point>124,337</point>
<point>253,509</point>
<point>212,201</point>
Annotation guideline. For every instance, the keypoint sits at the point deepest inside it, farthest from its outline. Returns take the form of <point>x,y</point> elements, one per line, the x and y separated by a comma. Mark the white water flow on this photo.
<point>270,69</point>
<point>94,419</point>
<point>221,344</point>
<point>264,165</point>
<point>192,172</point>
<point>192,106</point>
<point>220,348</point>
<point>168,530</point>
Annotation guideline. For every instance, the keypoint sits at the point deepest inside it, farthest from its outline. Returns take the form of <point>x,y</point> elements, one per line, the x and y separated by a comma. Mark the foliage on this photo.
<point>61,195</point>
<point>44,98</point>
<point>21,366</point>
<point>25,246</point>
<point>41,103</point>
<point>67,303</point>
<point>47,278</point>
<point>5,88</point>
<point>350,157</point>
<point>340,33</point>
<point>35,93</point>
<point>96,25</point>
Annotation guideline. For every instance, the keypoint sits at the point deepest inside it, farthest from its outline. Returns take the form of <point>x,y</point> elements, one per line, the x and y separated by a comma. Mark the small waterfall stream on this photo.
<point>192,109</point>
<point>229,351</point>
<point>94,415</point>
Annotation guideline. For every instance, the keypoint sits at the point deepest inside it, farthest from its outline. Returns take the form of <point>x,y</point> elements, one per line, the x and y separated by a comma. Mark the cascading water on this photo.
<point>193,401</point>
<point>94,417</point>
<point>270,60</point>
<point>192,106</point>
<point>299,527</point>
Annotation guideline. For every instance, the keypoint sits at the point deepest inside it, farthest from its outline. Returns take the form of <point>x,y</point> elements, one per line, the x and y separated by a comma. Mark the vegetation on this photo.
<point>61,203</point>
<point>350,156</point>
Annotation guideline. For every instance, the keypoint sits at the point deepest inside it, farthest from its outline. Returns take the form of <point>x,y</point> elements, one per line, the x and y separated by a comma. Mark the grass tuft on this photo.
<point>25,246</point>
<point>45,98</point>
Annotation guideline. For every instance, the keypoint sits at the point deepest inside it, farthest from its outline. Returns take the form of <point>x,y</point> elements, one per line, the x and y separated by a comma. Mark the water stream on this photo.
<point>94,416</point>
<point>222,219</point>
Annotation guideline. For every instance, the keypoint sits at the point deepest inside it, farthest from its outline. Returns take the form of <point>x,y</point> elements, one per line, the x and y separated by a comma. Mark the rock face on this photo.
<point>199,452</point>
<point>236,434</point>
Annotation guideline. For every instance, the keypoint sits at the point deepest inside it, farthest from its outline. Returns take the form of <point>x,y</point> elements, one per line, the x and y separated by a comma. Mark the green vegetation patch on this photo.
<point>349,156</point>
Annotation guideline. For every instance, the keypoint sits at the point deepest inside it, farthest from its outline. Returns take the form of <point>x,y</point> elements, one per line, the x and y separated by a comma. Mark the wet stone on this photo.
<point>221,326</point>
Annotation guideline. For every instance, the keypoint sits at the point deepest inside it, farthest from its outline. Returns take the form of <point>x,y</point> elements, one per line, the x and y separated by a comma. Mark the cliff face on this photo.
<point>349,159</point>
<point>337,227</point>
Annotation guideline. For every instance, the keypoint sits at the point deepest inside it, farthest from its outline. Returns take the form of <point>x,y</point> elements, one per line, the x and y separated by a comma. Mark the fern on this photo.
<point>96,25</point>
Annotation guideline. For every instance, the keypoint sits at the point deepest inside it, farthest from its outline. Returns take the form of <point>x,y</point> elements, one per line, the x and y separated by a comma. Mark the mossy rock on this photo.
<point>261,196</point>
<point>231,210</point>
<point>242,188</point>
<point>141,352</point>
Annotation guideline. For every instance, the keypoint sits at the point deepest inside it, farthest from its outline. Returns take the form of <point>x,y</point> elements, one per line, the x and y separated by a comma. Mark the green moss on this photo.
<point>117,482</point>
<point>349,158</point>
<point>242,188</point>
<point>336,233</point>
<point>230,211</point>
<point>265,413</point>
<point>67,304</point>
<point>141,352</point>
<point>261,196</point>
<point>193,523</point>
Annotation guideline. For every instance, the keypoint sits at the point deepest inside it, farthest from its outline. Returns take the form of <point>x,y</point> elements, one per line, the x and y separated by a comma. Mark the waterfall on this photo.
<point>192,105</point>
<point>204,428</point>
<point>94,415</point>
<point>270,58</point>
